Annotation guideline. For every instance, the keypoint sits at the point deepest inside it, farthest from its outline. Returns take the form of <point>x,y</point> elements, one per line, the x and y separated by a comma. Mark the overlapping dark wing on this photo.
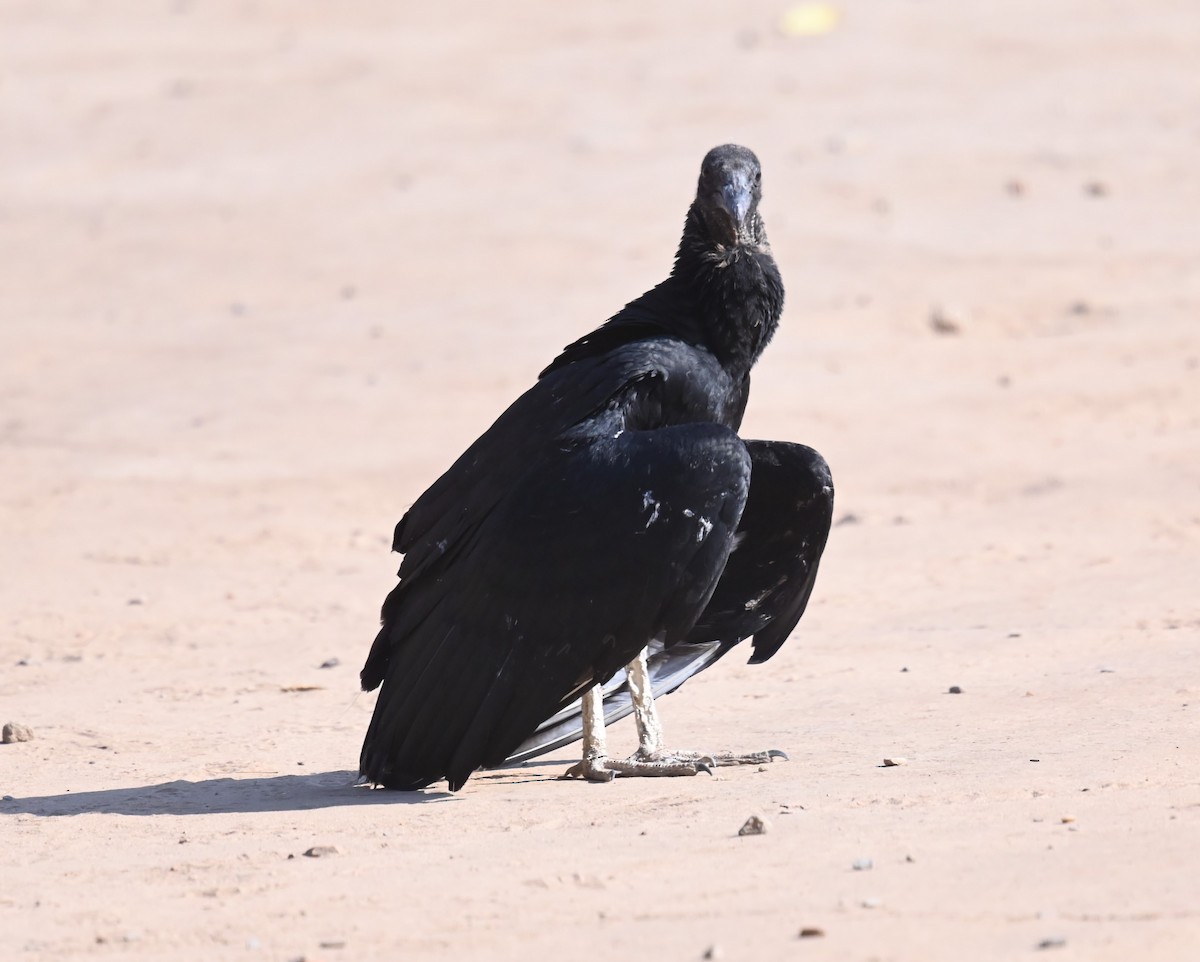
<point>766,585</point>
<point>762,592</point>
<point>544,560</point>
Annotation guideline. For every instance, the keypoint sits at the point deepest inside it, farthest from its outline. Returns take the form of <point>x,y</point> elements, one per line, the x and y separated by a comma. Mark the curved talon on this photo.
<point>706,764</point>
<point>776,753</point>
<point>589,771</point>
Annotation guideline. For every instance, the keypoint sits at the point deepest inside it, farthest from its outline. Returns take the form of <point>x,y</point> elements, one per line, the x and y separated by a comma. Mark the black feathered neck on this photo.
<point>736,290</point>
<point>725,298</point>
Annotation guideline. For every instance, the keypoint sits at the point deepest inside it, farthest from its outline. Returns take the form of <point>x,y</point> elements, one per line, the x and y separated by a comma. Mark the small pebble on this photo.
<point>1054,942</point>
<point>812,932</point>
<point>893,762</point>
<point>332,944</point>
<point>871,903</point>
<point>713,952</point>
<point>8,798</point>
<point>955,690</point>
<point>753,826</point>
<point>1067,819</point>
<point>862,864</point>
<point>944,320</point>
<point>320,851</point>
<point>14,732</point>
<point>331,662</point>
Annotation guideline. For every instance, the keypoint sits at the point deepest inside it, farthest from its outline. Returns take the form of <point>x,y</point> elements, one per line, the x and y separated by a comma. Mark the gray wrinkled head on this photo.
<point>729,191</point>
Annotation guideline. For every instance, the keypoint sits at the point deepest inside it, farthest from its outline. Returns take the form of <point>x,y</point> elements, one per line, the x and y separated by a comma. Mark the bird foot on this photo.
<point>600,768</point>
<point>663,762</point>
<point>666,762</point>
<point>592,768</point>
<point>722,759</point>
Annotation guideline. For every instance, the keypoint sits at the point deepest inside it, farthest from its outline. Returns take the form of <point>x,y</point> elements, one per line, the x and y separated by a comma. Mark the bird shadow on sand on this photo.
<point>211,796</point>
<point>276,793</point>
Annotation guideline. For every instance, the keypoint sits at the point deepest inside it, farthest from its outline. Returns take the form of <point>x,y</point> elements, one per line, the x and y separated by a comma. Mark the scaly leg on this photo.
<point>645,715</point>
<point>592,765</point>
<point>662,761</point>
<point>651,759</point>
<point>595,766</point>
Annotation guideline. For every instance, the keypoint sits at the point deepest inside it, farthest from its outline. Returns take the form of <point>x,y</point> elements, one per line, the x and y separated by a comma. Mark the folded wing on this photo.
<point>762,592</point>
<point>599,545</point>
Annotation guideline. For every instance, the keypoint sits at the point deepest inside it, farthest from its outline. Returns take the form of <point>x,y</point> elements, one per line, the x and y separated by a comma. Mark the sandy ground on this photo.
<point>266,268</point>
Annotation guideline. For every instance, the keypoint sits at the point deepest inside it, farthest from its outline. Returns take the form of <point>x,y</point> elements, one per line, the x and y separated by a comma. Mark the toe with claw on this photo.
<point>593,768</point>
<point>722,759</point>
<point>663,763</point>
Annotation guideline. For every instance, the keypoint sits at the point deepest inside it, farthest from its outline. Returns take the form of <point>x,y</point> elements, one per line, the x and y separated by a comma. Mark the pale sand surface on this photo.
<point>266,268</point>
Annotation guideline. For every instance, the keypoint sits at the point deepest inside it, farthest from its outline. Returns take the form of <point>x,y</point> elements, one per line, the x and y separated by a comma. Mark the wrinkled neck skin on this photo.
<point>735,287</point>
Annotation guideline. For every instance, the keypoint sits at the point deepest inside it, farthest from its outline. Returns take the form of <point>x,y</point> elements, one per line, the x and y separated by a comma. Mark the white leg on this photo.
<point>592,765</point>
<point>652,757</point>
<point>650,738</point>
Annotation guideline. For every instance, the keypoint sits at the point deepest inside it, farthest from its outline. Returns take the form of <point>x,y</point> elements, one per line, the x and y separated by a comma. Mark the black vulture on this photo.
<point>610,534</point>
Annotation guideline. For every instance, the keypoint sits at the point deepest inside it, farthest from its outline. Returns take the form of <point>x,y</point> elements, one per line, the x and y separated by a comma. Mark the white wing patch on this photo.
<point>705,525</point>
<point>648,502</point>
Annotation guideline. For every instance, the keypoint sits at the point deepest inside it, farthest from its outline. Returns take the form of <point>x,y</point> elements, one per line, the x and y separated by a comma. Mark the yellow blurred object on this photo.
<point>810,19</point>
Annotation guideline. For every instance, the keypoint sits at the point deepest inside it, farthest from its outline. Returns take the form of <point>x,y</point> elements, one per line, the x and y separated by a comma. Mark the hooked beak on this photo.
<point>736,196</point>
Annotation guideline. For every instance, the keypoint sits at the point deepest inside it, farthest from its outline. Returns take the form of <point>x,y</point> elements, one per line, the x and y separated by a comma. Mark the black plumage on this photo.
<point>611,507</point>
